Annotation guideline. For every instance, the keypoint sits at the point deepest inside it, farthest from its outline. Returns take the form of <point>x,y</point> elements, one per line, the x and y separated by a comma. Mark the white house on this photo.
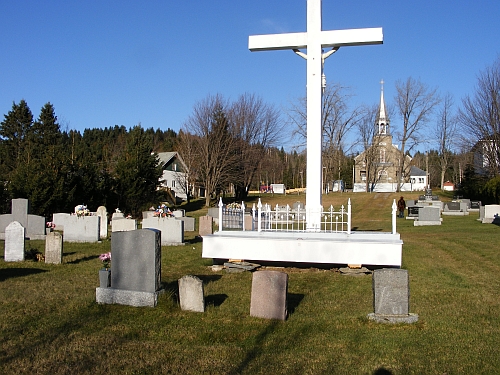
<point>175,174</point>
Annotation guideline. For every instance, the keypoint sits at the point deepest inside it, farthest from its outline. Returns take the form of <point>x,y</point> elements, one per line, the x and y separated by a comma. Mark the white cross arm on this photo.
<point>332,38</point>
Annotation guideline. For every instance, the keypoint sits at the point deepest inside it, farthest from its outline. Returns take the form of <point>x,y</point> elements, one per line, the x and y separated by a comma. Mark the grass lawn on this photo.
<point>50,323</point>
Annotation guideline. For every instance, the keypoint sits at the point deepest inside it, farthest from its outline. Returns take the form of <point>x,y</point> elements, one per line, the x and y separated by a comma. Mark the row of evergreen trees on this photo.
<point>57,170</point>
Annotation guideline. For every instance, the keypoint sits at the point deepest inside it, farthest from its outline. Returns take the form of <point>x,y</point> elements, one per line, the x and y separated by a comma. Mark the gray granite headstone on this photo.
<point>391,296</point>
<point>135,269</point>
<point>14,242</point>
<point>269,295</point>
<point>136,257</point>
<point>428,215</point>
<point>20,209</point>
<point>34,225</point>
<point>123,225</point>
<point>54,248</point>
<point>191,295</point>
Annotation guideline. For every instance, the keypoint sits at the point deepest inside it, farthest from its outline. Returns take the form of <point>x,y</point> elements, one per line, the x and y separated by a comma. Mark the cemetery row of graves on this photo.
<point>171,277</point>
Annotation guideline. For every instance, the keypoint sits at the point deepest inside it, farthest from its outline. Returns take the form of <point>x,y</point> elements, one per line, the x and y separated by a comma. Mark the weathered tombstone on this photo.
<point>135,269</point>
<point>172,230</point>
<point>452,206</point>
<point>206,225</point>
<point>191,295</point>
<point>14,242</point>
<point>391,296</point>
<point>123,225</point>
<point>428,215</point>
<point>82,228</point>
<point>213,212</point>
<point>103,214</point>
<point>269,295</point>
<point>54,248</point>
<point>248,222</point>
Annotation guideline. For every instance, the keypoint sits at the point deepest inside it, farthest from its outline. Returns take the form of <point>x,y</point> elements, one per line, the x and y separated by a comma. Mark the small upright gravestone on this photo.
<point>206,225</point>
<point>135,269</point>
<point>53,248</point>
<point>14,242</point>
<point>191,294</point>
<point>103,214</point>
<point>269,295</point>
<point>391,297</point>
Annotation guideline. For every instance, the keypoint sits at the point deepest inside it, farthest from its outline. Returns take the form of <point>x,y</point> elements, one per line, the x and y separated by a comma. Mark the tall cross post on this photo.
<point>314,40</point>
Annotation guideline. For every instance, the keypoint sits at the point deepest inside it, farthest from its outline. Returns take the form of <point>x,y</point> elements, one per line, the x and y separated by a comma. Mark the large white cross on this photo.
<point>314,40</point>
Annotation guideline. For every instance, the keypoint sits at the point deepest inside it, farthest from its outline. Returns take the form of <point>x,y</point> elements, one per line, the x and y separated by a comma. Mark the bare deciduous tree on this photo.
<point>415,103</point>
<point>256,127</point>
<point>214,147</point>
<point>445,135</point>
<point>480,118</point>
<point>338,119</point>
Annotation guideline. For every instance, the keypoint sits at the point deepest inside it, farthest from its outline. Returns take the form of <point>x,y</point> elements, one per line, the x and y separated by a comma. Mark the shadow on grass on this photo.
<point>194,240</point>
<point>8,273</point>
<point>294,300</point>
<point>85,259</point>
<point>382,371</point>
<point>258,349</point>
<point>215,299</point>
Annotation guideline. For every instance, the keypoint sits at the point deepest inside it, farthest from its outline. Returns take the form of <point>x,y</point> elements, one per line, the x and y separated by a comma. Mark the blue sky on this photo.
<point>106,63</point>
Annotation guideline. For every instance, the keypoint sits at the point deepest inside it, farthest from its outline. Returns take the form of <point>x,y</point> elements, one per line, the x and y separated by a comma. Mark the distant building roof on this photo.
<point>414,171</point>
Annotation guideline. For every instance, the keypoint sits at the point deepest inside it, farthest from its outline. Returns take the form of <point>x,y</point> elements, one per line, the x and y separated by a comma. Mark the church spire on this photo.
<point>382,120</point>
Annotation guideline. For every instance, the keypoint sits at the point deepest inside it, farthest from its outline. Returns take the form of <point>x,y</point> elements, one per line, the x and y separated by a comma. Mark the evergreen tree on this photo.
<point>137,173</point>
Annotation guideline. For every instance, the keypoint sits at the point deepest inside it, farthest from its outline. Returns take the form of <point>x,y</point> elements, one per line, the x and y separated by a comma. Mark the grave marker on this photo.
<point>269,295</point>
<point>54,248</point>
<point>14,242</point>
<point>135,269</point>
<point>191,296</point>
<point>391,296</point>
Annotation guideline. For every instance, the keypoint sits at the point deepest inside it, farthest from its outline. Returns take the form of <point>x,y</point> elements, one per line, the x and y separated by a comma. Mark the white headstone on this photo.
<point>14,242</point>
<point>103,214</point>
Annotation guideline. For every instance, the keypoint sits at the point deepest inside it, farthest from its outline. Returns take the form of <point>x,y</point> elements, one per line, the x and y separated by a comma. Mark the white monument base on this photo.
<point>365,248</point>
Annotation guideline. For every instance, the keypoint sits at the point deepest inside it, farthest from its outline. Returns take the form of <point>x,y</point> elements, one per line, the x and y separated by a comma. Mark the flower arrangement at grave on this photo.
<point>163,211</point>
<point>234,206</point>
<point>51,225</point>
<point>82,210</point>
<point>106,260</point>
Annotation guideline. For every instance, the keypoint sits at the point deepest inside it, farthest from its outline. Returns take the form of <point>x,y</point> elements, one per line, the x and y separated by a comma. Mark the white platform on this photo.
<point>365,248</point>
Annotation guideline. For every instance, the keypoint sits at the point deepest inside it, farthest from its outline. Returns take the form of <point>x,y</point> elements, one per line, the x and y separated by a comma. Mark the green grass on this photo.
<point>50,323</point>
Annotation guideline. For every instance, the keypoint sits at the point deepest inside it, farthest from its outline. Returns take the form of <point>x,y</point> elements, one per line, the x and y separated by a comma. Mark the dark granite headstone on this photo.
<point>269,295</point>
<point>391,296</point>
<point>136,260</point>
<point>135,269</point>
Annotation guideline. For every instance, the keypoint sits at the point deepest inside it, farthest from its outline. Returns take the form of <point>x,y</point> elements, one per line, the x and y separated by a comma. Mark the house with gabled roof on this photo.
<point>175,174</point>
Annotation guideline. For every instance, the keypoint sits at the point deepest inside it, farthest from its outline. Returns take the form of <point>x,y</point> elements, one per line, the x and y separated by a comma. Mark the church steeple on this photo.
<point>382,120</point>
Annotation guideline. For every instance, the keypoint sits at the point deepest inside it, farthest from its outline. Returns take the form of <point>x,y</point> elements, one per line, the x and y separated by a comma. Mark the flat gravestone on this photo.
<point>54,248</point>
<point>135,269</point>
<point>191,296</point>
<point>269,295</point>
<point>391,296</point>
<point>14,242</point>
